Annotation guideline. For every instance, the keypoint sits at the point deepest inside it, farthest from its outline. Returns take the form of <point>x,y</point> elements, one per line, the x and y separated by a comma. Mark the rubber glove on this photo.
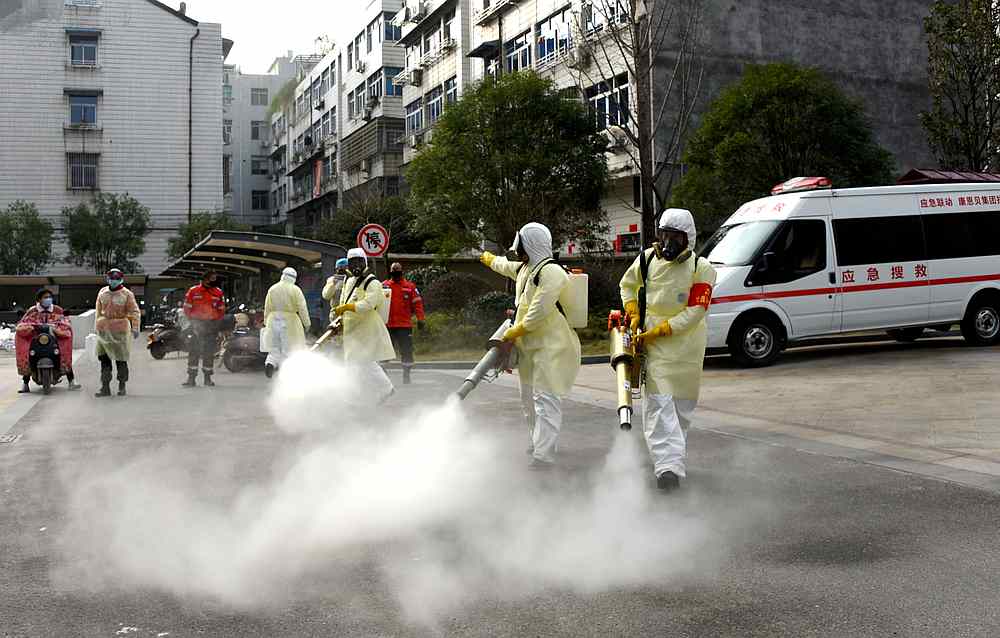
<point>515,333</point>
<point>632,310</point>
<point>341,309</point>
<point>487,258</point>
<point>662,330</point>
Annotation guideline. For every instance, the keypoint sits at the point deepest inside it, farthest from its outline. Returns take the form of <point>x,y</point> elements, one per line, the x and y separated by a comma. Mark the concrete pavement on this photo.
<point>796,543</point>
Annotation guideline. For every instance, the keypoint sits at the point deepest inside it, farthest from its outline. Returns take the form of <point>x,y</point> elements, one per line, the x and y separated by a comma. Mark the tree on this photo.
<point>25,240</point>
<point>659,43</point>
<point>779,121</point>
<point>189,234</point>
<point>392,213</point>
<point>109,232</point>
<point>963,66</point>
<point>509,152</point>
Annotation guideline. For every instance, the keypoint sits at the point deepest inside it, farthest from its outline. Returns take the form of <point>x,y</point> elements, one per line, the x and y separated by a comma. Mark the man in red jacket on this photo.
<point>205,307</point>
<point>406,302</point>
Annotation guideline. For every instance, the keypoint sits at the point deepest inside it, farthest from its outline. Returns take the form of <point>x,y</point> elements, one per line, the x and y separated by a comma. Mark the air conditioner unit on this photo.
<point>417,11</point>
<point>448,44</point>
<point>360,66</point>
<point>416,77</point>
<point>372,102</point>
<point>365,166</point>
<point>320,105</point>
<point>617,137</point>
<point>411,141</point>
<point>367,115</point>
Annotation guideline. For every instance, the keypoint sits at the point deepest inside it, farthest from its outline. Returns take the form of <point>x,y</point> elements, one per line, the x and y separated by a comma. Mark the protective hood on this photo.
<point>341,263</point>
<point>289,275</point>
<point>357,253</point>
<point>682,220</point>
<point>536,240</point>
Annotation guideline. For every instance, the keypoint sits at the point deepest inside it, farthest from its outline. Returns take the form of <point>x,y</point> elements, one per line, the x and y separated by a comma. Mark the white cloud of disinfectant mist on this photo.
<point>453,515</point>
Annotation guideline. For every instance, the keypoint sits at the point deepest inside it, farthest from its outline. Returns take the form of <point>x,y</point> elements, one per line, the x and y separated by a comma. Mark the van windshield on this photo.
<point>737,245</point>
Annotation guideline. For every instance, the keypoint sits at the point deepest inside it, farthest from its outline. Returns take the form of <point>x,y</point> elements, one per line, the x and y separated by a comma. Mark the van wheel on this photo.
<point>981,325</point>
<point>906,335</point>
<point>756,340</point>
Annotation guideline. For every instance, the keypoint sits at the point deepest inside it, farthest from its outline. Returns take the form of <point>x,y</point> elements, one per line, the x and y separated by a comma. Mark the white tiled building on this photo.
<point>96,95</point>
<point>346,112</point>
<point>246,139</point>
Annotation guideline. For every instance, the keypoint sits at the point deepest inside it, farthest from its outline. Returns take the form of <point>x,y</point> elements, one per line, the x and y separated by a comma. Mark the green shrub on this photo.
<point>445,331</point>
<point>425,276</point>
<point>486,312</point>
<point>453,291</point>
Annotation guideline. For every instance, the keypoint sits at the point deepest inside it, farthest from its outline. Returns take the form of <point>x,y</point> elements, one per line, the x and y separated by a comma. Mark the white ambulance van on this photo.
<point>811,261</point>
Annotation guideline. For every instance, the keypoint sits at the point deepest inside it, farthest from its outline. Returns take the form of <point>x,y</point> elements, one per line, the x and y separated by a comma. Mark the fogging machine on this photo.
<point>627,362</point>
<point>500,357</point>
<point>329,334</point>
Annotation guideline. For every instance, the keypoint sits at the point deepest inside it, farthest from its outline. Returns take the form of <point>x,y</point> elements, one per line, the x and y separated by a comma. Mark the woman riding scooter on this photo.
<point>44,312</point>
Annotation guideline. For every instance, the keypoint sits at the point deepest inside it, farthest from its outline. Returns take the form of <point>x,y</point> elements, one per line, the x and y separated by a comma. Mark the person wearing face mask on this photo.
<point>116,325</point>
<point>286,318</point>
<point>366,339</point>
<point>204,306</point>
<point>677,286</point>
<point>45,311</point>
<point>404,303</point>
<point>548,348</point>
<point>334,284</point>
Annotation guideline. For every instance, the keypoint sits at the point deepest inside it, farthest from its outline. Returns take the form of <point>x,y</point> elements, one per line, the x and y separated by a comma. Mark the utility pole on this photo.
<point>642,62</point>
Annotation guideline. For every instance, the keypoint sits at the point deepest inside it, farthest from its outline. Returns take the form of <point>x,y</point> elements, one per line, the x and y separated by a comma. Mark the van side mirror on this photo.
<point>768,261</point>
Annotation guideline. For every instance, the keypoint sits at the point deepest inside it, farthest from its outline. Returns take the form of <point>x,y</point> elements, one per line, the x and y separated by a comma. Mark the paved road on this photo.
<point>765,540</point>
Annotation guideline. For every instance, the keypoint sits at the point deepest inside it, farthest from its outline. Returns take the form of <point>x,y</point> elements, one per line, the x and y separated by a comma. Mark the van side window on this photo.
<point>879,240</point>
<point>958,235</point>
<point>799,251</point>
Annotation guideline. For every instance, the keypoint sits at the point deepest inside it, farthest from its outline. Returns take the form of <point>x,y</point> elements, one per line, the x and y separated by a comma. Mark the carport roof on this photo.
<point>243,253</point>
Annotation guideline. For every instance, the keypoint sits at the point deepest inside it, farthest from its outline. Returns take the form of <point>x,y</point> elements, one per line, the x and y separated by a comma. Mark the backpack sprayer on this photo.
<point>500,357</point>
<point>627,362</point>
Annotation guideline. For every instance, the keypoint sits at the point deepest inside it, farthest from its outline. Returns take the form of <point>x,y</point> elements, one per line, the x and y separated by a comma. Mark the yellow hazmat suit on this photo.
<point>117,318</point>
<point>366,339</point>
<point>286,317</point>
<point>548,348</point>
<point>678,294</point>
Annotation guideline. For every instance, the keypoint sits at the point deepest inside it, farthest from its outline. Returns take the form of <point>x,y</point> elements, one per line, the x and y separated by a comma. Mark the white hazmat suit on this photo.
<point>548,348</point>
<point>286,318</point>
<point>678,294</point>
<point>366,339</point>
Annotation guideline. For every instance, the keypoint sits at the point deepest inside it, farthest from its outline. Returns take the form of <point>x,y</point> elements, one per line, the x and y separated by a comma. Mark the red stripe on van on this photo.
<point>807,292</point>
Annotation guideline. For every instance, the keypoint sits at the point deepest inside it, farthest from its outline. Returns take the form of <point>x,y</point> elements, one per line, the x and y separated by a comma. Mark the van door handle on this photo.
<point>833,278</point>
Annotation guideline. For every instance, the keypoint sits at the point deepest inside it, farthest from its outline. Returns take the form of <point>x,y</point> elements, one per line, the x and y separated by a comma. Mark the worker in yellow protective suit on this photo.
<point>678,290</point>
<point>286,318</point>
<point>117,326</point>
<point>334,285</point>
<point>548,348</point>
<point>366,339</point>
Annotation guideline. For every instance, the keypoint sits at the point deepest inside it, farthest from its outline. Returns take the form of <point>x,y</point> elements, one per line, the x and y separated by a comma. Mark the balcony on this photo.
<point>485,15</point>
<point>402,78</point>
<point>431,58</point>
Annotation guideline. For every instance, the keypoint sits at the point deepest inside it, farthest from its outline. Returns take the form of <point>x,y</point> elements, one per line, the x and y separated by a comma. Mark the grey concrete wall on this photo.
<point>875,50</point>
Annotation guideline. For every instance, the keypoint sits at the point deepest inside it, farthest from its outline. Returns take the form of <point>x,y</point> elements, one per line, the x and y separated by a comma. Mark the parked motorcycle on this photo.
<point>241,349</point>
<point>168,337</point>
<point>43,358</point>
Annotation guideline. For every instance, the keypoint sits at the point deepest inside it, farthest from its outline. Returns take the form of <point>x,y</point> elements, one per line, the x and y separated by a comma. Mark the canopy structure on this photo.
<point>239,254</point>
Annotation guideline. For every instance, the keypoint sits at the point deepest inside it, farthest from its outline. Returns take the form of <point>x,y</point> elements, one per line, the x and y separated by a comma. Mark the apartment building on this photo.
<point>246,139</point>
<point>437,38</point>
<point>120,96</point>
<point>339,139</point>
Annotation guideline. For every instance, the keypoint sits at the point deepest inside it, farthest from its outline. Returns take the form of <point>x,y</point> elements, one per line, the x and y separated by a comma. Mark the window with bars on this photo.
<point>258,165</point>
<point>259,200</point>
<point>83,50</point>
<point>350,56</point>
<point>324,82</point>
<point>518,53</point>
<point>435,104</point>
<point>83,110</point>
<point>598,15</point>
<point>375,85</point>
<point>392,32</point>
<point>81,169</point>
<point>451,90</point>
<point>609,101</point>
<point>359,100</point>
<point>390,87</point>
<point>258,130</point>
<point>258,97</point>
<point>227,170</point>
<point>553,35</point>
<point>414,116</point>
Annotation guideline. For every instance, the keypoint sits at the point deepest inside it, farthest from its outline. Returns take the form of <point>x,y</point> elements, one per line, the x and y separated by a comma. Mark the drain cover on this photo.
<point>9,438</point>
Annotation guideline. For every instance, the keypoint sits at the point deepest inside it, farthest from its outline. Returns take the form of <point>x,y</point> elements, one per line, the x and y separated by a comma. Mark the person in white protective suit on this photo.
<point>366,339</point>
<point>548,348</point>
<point>678,291</point>
<point>286,318</point>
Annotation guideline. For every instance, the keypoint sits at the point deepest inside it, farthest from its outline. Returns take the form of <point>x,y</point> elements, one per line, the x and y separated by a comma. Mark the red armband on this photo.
<point>701,295</point>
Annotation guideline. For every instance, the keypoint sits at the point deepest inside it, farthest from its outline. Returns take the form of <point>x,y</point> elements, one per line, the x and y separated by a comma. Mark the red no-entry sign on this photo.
<point>374,240</point>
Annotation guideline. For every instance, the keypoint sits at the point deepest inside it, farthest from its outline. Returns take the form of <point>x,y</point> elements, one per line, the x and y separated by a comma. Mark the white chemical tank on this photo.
<point>574,299</point>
